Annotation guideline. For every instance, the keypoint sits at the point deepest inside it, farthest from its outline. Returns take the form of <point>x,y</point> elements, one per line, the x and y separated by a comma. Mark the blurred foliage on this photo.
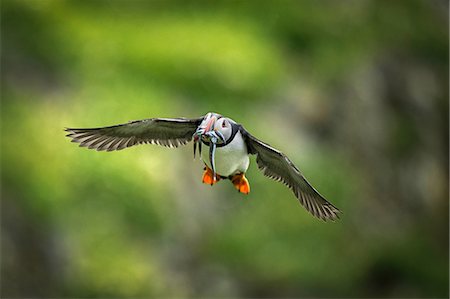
<point>355,92</point>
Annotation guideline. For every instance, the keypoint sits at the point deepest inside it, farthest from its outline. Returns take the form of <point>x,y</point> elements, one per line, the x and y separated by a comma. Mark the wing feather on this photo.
<point>162,131</point>
<point>275,165</point>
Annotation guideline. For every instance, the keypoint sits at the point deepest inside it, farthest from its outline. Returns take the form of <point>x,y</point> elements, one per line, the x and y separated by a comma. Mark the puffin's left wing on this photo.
<point>277,166</point>
<point>170,132</point>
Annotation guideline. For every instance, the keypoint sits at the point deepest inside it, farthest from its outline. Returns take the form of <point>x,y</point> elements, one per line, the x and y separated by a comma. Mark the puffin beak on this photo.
<point>210,124</point>
<point>211,131</point>
<point>207,132</point>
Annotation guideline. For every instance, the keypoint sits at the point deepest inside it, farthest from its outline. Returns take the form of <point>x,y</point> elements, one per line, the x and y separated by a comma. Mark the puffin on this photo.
<point>224,146</point>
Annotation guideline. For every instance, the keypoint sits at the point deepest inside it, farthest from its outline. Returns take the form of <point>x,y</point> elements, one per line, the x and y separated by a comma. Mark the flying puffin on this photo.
<point>227,146</point>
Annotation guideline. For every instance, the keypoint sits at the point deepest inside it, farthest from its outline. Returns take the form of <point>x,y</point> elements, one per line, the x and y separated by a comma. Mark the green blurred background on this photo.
<point>355,92</point>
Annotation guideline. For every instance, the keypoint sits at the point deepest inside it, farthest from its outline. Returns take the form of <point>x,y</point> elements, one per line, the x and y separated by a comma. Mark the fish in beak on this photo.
<point>208,134</point>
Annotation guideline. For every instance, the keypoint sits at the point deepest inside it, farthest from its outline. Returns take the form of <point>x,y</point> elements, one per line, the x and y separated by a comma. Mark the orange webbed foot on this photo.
<point>240,182</point>
<point>208,177</point>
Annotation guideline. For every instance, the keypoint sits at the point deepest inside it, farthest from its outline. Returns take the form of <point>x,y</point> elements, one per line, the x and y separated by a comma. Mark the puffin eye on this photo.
<point>224,124</point>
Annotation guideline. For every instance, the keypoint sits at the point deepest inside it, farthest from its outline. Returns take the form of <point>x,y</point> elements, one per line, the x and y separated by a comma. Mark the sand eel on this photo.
<point>223,145</point>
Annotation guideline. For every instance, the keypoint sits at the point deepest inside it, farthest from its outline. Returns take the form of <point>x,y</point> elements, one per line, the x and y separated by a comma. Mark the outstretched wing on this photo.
<point>162,131</point>
<point>277,166</point>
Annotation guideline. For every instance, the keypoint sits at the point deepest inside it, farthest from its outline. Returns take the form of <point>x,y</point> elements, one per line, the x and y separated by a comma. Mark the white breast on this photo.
<point>229,159</point>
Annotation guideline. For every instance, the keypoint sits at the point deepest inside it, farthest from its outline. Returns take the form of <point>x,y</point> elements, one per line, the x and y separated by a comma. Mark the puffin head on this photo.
<point>215,127</point>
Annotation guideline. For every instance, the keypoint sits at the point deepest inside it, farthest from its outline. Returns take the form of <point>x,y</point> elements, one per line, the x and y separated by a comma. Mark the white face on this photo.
<point>223,125</point>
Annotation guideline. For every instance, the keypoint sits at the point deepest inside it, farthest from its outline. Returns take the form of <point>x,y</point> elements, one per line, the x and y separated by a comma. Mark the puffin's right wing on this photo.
<point>277,166</point>
<point>170,132</point>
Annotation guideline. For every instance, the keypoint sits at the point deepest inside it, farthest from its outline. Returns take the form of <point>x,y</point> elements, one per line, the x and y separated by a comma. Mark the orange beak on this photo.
<point>210,124</point>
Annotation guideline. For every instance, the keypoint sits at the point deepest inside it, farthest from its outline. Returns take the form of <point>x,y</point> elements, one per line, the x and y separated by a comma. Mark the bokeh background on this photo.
<point>354,92</point>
